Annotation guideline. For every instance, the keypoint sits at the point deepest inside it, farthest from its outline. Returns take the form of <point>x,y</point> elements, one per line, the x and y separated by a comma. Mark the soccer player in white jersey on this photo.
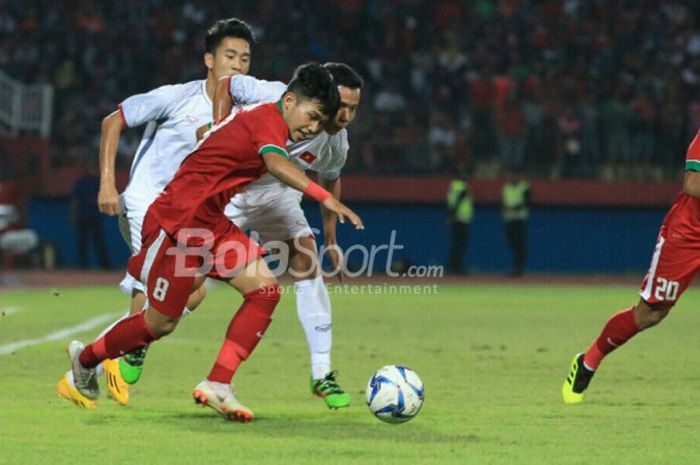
<point>171,113</point>
<point>273,211</point>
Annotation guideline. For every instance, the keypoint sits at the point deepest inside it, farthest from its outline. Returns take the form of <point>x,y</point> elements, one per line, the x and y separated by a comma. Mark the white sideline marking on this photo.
<point>8,311</point>
<point>57,335</point>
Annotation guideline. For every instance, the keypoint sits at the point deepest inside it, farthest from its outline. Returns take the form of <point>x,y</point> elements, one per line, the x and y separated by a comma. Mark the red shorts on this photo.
<point>675,263</point>
<point>168,267</point>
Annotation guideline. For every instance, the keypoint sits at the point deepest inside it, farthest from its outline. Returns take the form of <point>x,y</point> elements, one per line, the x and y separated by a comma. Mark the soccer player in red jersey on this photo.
<point>674,264</point>
<point>186,238</point>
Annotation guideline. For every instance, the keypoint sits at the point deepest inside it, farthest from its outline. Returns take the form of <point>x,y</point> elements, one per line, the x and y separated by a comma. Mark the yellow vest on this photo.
<point>463,208</point>
<point>514,201</point>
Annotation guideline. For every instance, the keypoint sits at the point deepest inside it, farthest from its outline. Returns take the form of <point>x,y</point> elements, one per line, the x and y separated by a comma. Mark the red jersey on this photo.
<point>228,158</point>
<point>684,216</point>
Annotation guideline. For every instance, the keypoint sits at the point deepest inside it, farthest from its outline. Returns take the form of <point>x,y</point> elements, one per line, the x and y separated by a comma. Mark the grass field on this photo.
<point>492,358</point>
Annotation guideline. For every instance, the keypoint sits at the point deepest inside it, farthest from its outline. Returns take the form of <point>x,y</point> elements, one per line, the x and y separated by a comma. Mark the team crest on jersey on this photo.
<point>192,119</point>
<point>308,157</point>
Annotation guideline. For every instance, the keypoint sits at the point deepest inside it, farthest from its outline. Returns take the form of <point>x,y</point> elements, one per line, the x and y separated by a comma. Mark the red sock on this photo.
<point>619,328</point>
<point>244,332</point>
<point>129,334</point>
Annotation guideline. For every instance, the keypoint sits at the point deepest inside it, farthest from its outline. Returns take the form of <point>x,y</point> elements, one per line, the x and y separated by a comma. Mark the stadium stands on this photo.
<point>560,88</point>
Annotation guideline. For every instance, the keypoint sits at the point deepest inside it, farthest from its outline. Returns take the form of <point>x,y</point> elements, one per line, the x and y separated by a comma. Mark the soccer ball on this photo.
<point>395,394</point>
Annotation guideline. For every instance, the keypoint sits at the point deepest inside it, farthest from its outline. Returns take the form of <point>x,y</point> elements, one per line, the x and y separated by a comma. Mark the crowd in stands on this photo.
<point>568,88</point>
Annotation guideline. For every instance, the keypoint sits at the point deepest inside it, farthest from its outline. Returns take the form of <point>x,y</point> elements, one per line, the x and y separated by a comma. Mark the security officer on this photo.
<point>460,208</point>
<point>516,210</point>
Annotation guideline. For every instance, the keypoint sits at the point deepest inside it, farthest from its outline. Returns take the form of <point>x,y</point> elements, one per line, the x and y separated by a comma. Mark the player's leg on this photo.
<point>279,217</point>
<point>169,289</point>
<point>673,267</point>
<point>119,374</point>
<point>314,312</point>
<point>261,294</point>
<point>80,383</point>
<point>130,366</point>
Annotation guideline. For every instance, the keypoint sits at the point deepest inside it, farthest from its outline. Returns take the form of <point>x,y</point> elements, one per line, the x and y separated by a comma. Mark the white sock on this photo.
<point>314,310</point>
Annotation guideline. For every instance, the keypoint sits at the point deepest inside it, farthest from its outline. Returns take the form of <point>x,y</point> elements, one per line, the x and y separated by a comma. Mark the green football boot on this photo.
<point>329,389</point>
<point>131,365</point>
<point>577,381</point>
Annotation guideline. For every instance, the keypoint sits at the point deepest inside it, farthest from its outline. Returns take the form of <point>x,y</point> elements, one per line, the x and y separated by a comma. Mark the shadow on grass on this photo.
<point>318,427</point>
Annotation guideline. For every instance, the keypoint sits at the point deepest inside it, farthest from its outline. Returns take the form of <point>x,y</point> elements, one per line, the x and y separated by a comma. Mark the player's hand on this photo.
<point>337,207</point>
<point>335,255</point>
<point>108,200</point>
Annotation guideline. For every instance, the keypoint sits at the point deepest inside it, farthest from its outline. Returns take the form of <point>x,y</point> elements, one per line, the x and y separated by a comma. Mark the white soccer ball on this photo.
<point>395,394</point>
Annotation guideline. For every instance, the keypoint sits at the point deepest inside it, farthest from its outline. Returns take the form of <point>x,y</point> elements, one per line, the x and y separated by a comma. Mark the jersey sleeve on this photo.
<point>269,135</point>
<point>692,157</point>
<point>339,155</point>
<point>151,106</point>
<point>246,90</point>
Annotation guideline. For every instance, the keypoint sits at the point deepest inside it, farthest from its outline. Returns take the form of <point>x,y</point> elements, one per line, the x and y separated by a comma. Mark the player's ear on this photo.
<point>209,60</point>
<point>289,99</point>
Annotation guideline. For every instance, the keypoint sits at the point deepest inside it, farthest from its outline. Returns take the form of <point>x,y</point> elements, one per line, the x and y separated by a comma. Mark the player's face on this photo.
<point>230,58</point>
<point>303,116</point>
<point>349,101</point>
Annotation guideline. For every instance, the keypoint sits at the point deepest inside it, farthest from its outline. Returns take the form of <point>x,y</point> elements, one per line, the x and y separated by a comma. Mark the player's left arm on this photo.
<point>330,180</point>
<point>329,218</point>
<point>280,167</point>
<point>691,183</point>
<point>329,227</point>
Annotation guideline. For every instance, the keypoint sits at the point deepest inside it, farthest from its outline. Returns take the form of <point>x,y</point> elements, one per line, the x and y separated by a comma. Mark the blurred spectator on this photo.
<point>629,72</point>
<point>512,130</point>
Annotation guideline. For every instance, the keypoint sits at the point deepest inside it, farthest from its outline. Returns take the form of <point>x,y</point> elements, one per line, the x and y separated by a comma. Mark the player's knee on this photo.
<point>159,324</point>
<point>656,316</point>
<point>650,315</point>
<point>196,298</point>
<point>303,264</point>
<point>165,327</point>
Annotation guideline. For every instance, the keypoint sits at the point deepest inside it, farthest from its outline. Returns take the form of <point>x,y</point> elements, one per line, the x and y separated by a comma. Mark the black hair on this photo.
<point>344,75</point>
<point>230,27</point>
<point>313,81</point>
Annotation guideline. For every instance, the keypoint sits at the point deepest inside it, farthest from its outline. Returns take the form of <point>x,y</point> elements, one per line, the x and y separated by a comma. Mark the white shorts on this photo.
<point>275,214</point>
<point>130,224</point>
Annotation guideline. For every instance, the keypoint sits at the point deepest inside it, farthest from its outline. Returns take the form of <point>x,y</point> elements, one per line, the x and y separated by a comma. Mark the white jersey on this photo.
<point>324,153</point>
<point>172,113</point>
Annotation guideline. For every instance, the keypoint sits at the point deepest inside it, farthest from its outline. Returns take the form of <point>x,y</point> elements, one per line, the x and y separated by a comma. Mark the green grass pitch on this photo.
<point>492,358</point>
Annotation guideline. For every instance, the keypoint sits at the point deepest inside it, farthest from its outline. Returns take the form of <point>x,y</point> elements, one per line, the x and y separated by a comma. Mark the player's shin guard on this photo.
<point>244,332</point>
<point>618,330</point>
<point>314,311</point>
<point>129,334</point>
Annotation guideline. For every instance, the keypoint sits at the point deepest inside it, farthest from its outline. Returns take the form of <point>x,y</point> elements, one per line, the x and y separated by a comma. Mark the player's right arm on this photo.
<point>240,90</point>
<point>223,101</point>
<point>108,197</point>
<point>134,111</point>
<point>691,183</point>
<point>279,166</point>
